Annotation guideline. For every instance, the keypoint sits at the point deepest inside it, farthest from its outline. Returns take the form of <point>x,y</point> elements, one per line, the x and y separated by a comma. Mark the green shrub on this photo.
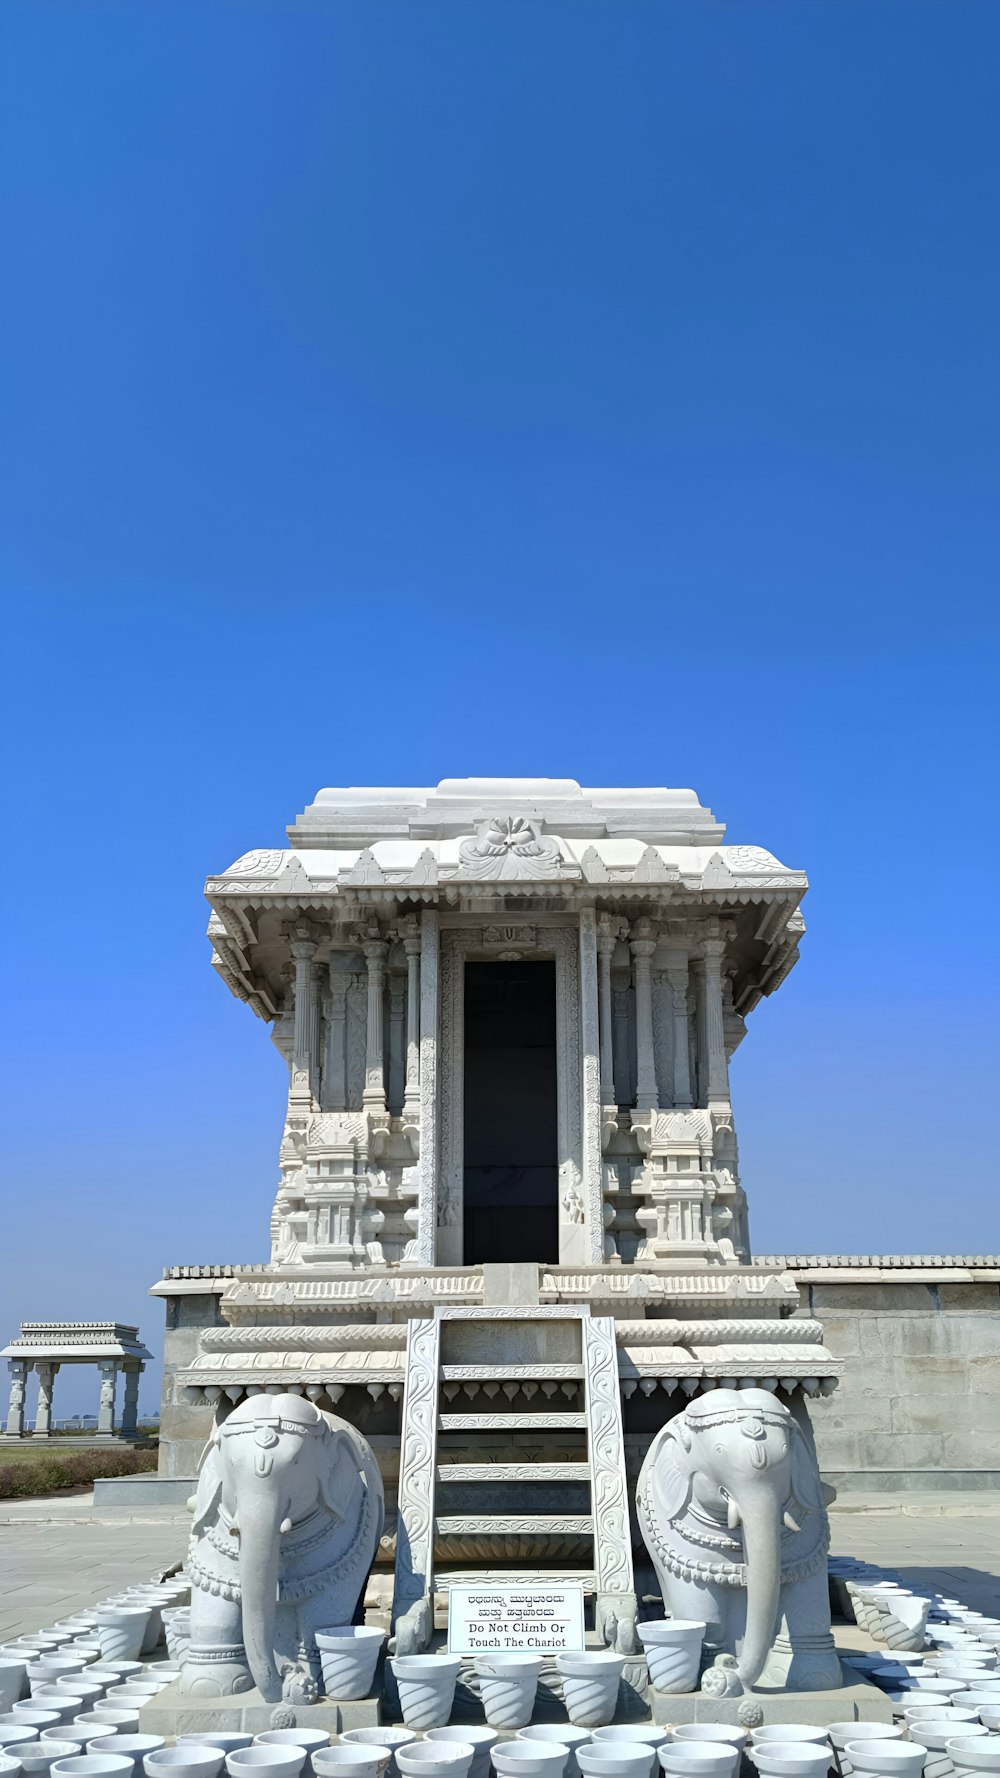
<point>52,1470</point>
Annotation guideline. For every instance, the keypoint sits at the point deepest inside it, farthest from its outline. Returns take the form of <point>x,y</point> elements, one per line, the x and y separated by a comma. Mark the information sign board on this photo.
<point>536,1617</point>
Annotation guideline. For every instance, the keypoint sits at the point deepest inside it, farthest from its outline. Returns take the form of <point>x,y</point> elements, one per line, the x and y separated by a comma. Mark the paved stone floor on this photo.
<point>58,1554</point>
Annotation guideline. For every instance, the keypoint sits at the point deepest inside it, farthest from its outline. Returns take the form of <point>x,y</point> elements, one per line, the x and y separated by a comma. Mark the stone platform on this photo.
<point>860,1703</point>
<point>172,1713</point>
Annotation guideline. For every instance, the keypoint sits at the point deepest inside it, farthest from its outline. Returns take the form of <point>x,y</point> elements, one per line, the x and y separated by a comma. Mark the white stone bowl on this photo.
<point>10,1768</point>
<point>650,1732</point>
<point>507,1685</point>
<point>276,1762</point>
<point>34,1716</point>
<point>560,1734</point>
<point>673,1652</point>
<point>37,1757</point>
<point>393,1739</point>
<point>62,1734</point>
<point>530,1759</point>
<point>842,1732</point>
<point>351,1760</point>
<point>52,1697</point>
<point>133,1747</point>
<point>11,1733</point>
<point>202,1761</point>
<point>313,1740</point>
<point>227,1739</point>
<point>120,1717</point>
<point>970,1755</point>
<point>790,1732</point>
<point>617,1759</point>
<point>348,1655</point>
<point>482,1742</point>
<point>92,1765</point>
<point>875,1758</point>
<point>426,1685</point>
<point>792,1759</point>
<point>436,1759</point>
<point>590,1681</point>
<point>699,1759</point>
<point>956,1713</point>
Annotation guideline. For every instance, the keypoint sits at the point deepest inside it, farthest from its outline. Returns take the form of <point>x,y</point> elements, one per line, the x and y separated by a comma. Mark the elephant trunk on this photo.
<point>259,1520</point>
<point>762,1543</point>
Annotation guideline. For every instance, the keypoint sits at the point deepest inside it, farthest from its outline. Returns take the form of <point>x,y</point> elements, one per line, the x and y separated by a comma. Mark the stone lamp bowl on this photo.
<point>435,1759</point>
<point>275,1762</point>
<point>841,1733</point>
<point>507,1685</point>
<point>62,1734</point>
<point>710,1731</point>
<point>426,1685</point>
<point>348,1655</point>
<point>699,1759</point>
<point>618,1759</point>
<point>227,1739</point>
<point>561,1734</point>
<point>971,1755</point>
<point>313,1740</point>
<point>885,1759</point>
<point>923,1713</point>
<point>202,1761</point>
<point>9,1768</point>
<point>37,1757</point>
<point>787,1759</point>
<point>92,1765</point>
<point>482,1742</point>
<point>531,1759</point>
<point>393,1739</point>
<point>649,1732</point>
<point>590,1683</point>
<point>791,1732</point>
<point>34,1716</point>
<point>11,1733</point>
<point>351,1761</point>
<point>133,1747</point>
<point>119,1718</point>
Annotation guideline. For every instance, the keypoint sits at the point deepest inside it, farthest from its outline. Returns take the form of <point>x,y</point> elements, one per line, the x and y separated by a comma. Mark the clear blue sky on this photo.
<point>396,389</point>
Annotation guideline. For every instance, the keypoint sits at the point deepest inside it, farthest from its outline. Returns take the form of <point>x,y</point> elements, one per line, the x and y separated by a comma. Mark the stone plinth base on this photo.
<point>173,1713</point>
<point>860,1703</point>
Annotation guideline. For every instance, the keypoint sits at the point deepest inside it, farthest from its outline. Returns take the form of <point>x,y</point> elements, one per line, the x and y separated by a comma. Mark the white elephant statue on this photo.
<point>732,1511</point>
<point>287,1520</point>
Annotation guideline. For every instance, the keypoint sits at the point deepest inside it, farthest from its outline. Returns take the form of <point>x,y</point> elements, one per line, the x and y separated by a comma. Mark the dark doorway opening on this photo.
<point>511,1147</point>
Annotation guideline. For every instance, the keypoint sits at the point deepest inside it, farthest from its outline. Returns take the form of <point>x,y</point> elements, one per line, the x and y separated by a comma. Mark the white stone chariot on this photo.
<point>510,1240</point>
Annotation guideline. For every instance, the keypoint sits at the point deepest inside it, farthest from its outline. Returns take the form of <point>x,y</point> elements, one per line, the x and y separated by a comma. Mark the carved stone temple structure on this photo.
<point>509,1240</point>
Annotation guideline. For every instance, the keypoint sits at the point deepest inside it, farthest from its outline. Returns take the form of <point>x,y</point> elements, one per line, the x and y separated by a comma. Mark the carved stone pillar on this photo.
<point>677,975</point>
<point>304,1037</point>
<point>373,1097</point>
<point>108,1368</point>
<point>46,1378</point>
<point>130,1405</point>
<point>397,1001</point>
<point>589,1251</point>
<point>411,1096</point>
<point>716,1084</point>
<point>642,946</point>
<point>605,951</point>
<point>18,1368</point>
<point>423,1217</point>
<point>334,1074</point>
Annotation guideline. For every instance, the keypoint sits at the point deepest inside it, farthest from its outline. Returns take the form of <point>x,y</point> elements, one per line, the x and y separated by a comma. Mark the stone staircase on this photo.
<point>470,1482</point>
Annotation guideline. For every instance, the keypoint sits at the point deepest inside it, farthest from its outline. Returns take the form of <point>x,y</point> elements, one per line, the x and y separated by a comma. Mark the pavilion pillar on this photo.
<point>716,1087</point>
<point>334,1075</point>
<point>605,951</point>
<point>411,1098</point>
<point>306,1026</point>
<point>130,1404</point>
<point>373,1097</point>
<point>46,1378</point>
<point>18,1368</point>
<point>108,1368</point>
<point>593,1171</point>
<point>423,1216</point>
<point>677,976</point>
<point>642,946</point>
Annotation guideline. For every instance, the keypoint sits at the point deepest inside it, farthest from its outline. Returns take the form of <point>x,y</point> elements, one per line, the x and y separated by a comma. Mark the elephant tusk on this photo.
<point>286,1525</point>
<point>734,1518</point>
<point>789,1522</point>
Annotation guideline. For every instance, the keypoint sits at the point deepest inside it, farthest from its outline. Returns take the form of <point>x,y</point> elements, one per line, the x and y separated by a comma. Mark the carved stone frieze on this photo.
<point>612,1541</point>
<point>418,1456</point>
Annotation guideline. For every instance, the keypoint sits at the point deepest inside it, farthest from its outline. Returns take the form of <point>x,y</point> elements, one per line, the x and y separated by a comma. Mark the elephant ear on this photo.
<point>672,1473</point>
<point>806,1485</point>
<point>340,1477</point>
<point>209,1490</point>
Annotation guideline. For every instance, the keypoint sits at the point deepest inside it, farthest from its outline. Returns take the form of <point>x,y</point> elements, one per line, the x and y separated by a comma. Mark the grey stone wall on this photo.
<point>918,1404</point>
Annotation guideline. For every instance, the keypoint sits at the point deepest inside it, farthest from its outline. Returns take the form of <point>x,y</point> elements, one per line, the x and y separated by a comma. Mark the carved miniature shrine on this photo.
<point>510,1237</point>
